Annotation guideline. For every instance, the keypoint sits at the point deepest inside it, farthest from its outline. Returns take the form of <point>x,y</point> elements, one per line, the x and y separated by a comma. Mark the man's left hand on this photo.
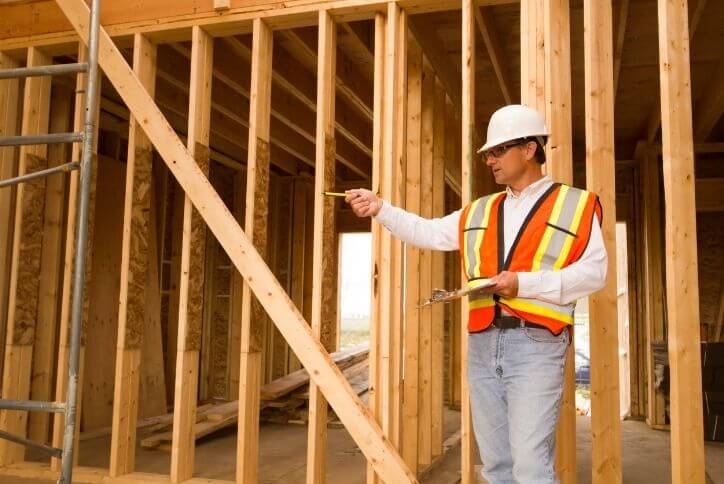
<point>504,284</point>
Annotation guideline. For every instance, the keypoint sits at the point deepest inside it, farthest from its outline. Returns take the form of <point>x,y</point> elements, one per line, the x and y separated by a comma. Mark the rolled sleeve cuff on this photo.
<point>528,284</point>
<point>383,216</point>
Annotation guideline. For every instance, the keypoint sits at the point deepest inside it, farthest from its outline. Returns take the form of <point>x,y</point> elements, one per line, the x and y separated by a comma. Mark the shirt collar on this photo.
<point>532,189</point>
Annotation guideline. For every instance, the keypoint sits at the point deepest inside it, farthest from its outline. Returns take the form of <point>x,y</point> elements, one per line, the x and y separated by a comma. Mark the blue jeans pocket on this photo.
<point>541,335</point>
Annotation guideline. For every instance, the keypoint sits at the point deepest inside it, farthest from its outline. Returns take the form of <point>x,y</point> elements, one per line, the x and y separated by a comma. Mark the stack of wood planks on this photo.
<point>283,400</point>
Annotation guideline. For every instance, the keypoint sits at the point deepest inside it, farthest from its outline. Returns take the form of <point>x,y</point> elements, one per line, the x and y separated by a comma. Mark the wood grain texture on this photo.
<point>601,179</point>
<point>340,395</point>
<point>682,282</point>
<point>25,259</point>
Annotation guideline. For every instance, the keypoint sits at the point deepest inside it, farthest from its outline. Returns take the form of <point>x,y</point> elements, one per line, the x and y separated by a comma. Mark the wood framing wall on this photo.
<point>255,112</point>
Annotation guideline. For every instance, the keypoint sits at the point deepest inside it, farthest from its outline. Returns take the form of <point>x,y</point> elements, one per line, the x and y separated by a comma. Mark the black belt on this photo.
<point>511,322</point>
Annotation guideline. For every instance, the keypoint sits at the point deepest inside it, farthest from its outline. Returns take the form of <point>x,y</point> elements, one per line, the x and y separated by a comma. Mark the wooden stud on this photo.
<point>399,117</point>
<point>257,196</point>
<point>299,217</point>
<point>654,120</point>
<point>452,140</point>
<point>532,54</point>
<point>177,212</point>
<point>425,273</point>
<point>682,284</point>
<point>357,419</point>
<point>601,179</point>
<point>237,291</point>
<point>468,156</point>
<point>437,266</point>
<point>377,290</point>
<point>61,383</point>
<point>559,165</point>
<point>50,263</point>
<point>324,281</point>
<point>410,417</point>
<point>9,107</point>
<point>25,259</point>
<point>653,274</point>
<point>133,272</point>
<point>193,246</point>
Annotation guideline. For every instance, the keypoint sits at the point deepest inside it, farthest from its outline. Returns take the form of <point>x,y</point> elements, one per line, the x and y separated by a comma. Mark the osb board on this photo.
<point>281,255</point>
<point>103,290</point>
<point>138,258</point>
<point>328,334</point>
<point>259,234</point>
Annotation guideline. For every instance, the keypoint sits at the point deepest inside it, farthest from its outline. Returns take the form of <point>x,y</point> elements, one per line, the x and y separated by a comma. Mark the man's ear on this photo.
<point>530,149</point>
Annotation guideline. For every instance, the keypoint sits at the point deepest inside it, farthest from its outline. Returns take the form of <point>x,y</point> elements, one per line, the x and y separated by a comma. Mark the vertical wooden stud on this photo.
<point>559,165</point>
<point>9,106</point>
<point>134,267</point>
<point>682,285</point>
<point>324,276</point>
<point>532,54</point>
<point>468,151</point>
<point>425,273</point>
<point>601,179</point>
<point>193,246</point>
<point>237,291</point>
<point>648,162</point>
<point>50,264</point>
<point>257,199</point>
<point>437,266</point>
<point>399,117</point>
<point>299,218</point>
<point>25,259</point>
<point>410,416</point>
<point>377,293</point>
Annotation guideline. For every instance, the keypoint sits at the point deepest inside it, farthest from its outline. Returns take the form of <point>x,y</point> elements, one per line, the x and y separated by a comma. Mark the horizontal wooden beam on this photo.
<point>42,24</point>
<point>353,413</point>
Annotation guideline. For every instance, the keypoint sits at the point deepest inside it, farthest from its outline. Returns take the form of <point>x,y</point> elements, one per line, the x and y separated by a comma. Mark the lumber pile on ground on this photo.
<point>283,400</point>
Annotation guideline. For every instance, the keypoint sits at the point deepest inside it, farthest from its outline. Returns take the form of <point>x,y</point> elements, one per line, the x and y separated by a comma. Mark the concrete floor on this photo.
<point>646,456</point>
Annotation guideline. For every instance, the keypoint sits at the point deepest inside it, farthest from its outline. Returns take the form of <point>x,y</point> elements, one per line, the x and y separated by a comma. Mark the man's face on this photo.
<point>509,161</point>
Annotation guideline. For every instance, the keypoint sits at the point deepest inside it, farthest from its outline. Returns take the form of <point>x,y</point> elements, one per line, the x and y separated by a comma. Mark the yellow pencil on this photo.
<point>334,194</point>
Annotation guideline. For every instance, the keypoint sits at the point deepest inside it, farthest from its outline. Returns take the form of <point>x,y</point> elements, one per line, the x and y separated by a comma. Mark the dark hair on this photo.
<point>540,152</point>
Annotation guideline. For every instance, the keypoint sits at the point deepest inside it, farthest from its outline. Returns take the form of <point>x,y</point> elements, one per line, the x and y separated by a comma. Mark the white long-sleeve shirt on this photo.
<point>583,277</point>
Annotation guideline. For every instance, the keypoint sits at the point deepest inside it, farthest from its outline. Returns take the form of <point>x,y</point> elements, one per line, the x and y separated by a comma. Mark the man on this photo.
<point>539,243</point>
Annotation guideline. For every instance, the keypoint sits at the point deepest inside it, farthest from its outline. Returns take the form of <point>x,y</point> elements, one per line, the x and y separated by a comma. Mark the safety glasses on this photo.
<point>500,150</point>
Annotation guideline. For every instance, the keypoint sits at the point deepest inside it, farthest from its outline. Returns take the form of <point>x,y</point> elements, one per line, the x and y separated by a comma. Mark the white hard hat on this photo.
<point>514,121</point>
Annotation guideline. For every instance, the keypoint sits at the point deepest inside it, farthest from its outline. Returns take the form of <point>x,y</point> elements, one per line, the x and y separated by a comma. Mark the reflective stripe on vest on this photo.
<point>476,223</point>
<point>562,242</point>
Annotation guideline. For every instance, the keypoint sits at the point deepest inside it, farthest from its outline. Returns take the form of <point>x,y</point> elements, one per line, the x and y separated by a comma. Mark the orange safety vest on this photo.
<point>553,235</point>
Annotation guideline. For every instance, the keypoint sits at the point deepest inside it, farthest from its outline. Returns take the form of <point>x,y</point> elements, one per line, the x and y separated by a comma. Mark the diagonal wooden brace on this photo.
<point>352,412</point>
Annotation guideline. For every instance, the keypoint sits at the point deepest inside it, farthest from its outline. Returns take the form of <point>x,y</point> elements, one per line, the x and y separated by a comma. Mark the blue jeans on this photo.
<point>516,382</point>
